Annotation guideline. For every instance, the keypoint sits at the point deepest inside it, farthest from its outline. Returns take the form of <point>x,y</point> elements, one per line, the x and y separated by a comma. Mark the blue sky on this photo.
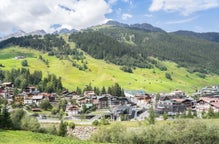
<point>199,16</point>
<point>51,15</point>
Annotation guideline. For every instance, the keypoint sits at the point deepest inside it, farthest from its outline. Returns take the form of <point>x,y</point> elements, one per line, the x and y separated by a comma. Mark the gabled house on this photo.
<point>204,103</point>
<point>82,100</point>
<point>72,110</point>
<point>170,106</point>
<point>103,102</point>
<point>89,93</point>
<point>37,99</point>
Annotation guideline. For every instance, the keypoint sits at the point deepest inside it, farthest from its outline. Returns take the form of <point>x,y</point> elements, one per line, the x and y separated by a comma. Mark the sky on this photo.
<point>51,15</point>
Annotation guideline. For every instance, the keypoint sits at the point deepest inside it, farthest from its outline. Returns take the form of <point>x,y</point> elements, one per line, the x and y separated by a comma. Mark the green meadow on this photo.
<point>100,73</point>
<point>26,137</point>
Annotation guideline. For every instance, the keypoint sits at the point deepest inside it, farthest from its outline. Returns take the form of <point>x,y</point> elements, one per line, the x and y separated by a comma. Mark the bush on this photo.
<point>30,124</point>
<point>71,125</point>
<point>178,131</point>
<point>126,69</point>
<point>168,76</point>
<point>95,123</point>
<point>16,117</point>
<point>24,63</point>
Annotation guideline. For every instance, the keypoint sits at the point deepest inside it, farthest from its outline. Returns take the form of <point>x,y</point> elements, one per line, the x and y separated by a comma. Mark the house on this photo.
<point>37,99</point>
<point>188,102</point>
<point>171,95</point>
<point>208,91</point>
<point>72,110</point>
<point>141,100</point>
<point>133,93</point>
<point>19,57</point>
<point>89,93</point>
<point>204,103</point>
<point>82,100</point>
<point>7,85</point>
<point>121,112</point>
<point>103,102</point>
<point>170,106</point>
<point>27,101</point>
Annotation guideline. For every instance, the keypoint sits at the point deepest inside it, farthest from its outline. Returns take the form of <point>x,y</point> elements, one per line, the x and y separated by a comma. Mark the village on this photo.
<point>89,106</point>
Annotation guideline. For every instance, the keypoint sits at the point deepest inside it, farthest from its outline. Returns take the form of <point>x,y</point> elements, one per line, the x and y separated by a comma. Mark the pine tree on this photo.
<point>62,129</point>
<point>211,113</point>
<point>151,118</point>
<point>6,120</point>
<point>103,91</point>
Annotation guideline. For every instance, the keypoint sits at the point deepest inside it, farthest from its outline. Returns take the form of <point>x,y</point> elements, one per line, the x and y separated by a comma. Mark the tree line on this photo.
<point>22,78</point>
<point>126,46</point>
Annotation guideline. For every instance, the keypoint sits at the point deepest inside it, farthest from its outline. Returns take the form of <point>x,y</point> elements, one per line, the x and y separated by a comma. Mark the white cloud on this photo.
<point>126,16</point>
<point>30,15</point>
<point>185,7</point>
<point>181,21</point>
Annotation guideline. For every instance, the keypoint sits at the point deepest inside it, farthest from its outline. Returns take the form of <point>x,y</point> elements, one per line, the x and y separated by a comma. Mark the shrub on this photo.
<point>95,123</point>
<point>24,63</point>
<point>168,76</point>
<point>71,125</point>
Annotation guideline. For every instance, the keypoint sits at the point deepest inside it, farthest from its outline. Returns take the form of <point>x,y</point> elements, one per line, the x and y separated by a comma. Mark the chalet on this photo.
<point>7,85</point>
<point>82,100</point>
<point>30,89</point>
<point>133,93</point>
<point>204,103</point>
<point>170,106</point>
<point>27,101</point>
<point>174,94</point>
<point>121,112</point>
<point>208,91</point>
<point>89,93</point>
<point>19,57</point>
<point>72,110</point>
<point>141,100</point>
<point>37,99</point>
<point>103,102</point>
<point>188,102</point>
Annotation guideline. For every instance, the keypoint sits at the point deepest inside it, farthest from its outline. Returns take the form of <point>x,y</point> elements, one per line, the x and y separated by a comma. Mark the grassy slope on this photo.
<point>103,74</point>
<point>25,137</point>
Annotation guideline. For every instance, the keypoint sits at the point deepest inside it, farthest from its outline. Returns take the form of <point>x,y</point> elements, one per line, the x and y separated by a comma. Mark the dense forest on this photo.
<point>22,78</point>
<point>132,47</point>
<point>53,44</point>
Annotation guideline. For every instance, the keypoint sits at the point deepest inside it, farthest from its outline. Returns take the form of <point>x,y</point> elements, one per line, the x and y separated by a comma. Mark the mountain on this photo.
<point>147,27</point>
<point>211,36</point>
<point>133,57</point>
<point>65,31</point>
<point>19,33</point>
<point>37,32</point>
<point>115,23</point>
<point>144,26</point>
<point>133,47</point>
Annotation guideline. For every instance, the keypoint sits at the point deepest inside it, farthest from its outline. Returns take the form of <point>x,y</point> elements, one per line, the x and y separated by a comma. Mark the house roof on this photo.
<point>134,92</point>
<point>215,104</point>
<point>208,100</point>
<point>37,97</point>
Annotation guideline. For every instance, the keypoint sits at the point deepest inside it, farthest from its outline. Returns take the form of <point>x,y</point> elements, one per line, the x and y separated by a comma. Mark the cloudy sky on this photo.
<point>51,15</point>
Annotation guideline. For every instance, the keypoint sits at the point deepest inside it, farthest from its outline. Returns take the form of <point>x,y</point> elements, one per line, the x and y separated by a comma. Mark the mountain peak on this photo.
<point>37,32</point>
<point>65,31</point>
<point>116,23</point>
<point>147,27</point>
<point>143,26</point>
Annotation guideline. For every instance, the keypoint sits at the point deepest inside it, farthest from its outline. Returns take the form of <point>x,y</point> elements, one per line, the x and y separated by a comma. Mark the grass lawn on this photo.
<point>105,74</point>
<point>25,137</point>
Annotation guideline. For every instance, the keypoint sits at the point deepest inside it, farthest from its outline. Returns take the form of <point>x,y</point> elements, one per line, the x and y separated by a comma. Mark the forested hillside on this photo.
<point>132,47</point>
